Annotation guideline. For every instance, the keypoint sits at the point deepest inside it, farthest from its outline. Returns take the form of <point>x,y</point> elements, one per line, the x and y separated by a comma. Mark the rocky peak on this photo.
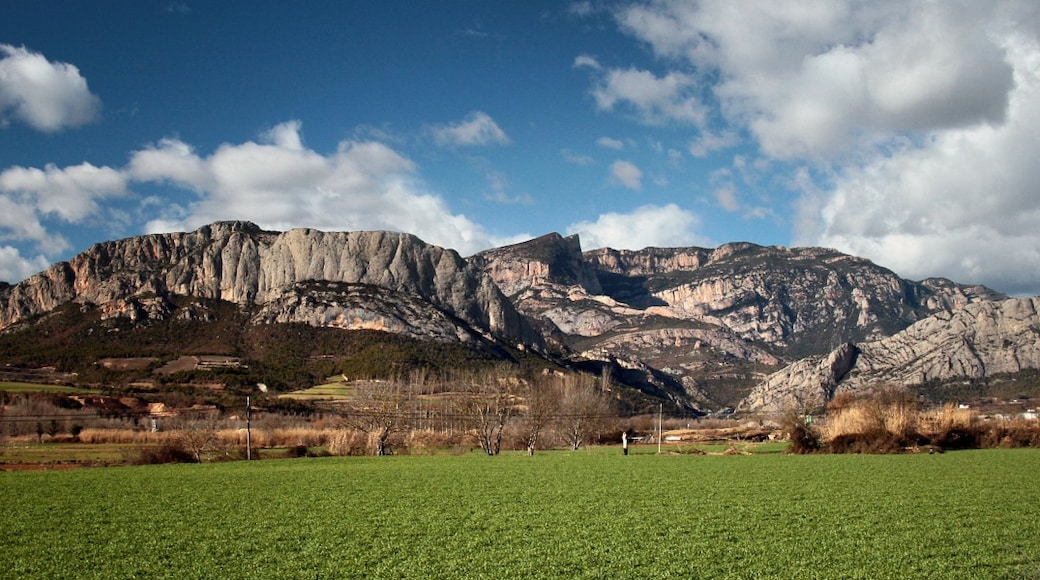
<point>240,263</point>
<point>802,300</point>
<point>551,258</point>
<point>979,340</point>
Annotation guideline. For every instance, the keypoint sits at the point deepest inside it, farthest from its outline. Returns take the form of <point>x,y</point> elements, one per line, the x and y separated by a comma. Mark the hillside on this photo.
<point>979,341</point>
<point>716,321</point>
<point>704,329</point>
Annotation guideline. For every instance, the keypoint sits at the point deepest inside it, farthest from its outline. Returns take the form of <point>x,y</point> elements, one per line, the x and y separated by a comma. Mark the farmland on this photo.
<point>591,513</point>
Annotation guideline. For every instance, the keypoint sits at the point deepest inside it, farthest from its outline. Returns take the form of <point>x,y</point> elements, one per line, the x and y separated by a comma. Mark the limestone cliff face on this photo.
<point>551,258</point>
<point>978,340</point>
<point>800,300</point>
<point>709,325</point>
<point>239,263</point>
<point>737,311</point>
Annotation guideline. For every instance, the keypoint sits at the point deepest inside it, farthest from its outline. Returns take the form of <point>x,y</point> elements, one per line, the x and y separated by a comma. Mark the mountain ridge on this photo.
<point>707,327</point>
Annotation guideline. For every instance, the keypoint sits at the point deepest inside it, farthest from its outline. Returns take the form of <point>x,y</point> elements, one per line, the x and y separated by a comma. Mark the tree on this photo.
<point>583,409</point>
<point>487,404</point>
<point>378,408</point>
<point>541,399</point>
<point>197,433</point>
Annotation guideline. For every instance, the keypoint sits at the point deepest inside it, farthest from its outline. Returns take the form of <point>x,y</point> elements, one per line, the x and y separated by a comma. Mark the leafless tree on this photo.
<point>197,433</point>
<point>379,408</point>
<point>489,402</point>
<point>541,399</point>
<point>584,407</point>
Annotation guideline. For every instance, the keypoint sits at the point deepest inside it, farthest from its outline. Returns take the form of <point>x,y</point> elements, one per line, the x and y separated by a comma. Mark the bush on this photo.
<point>170,451</point>
<point>348,442</point>
<point>804,438</point>
<point>871,441</point>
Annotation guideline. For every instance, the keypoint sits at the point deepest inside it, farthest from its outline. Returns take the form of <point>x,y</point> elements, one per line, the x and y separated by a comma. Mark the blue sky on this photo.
<point>903,132</point>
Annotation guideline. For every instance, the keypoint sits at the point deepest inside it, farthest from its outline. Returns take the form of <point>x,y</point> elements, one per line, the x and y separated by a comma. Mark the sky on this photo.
<point>905,132</point>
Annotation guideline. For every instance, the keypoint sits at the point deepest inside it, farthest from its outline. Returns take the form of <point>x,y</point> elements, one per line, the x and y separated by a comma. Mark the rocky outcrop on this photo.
<point>799,300</point>
<point>805,385</point>
<point>708,325</point>
<point>739,310</point>
<point>976,341</point>
<point>551,258</point>
<point>239,263</point>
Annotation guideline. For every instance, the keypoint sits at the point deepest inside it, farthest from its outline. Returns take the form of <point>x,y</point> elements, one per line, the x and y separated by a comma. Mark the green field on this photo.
<point>593,514</point>
<point>16,387</point>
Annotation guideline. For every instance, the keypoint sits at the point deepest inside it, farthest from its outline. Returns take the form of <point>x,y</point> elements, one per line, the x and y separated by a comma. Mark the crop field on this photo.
<point>591,513</point>
<point>19,387</point>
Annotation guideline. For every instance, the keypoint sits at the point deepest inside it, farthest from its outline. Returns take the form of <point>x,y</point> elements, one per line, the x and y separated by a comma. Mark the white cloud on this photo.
<point>726,196</point>
<point>14,267</point>
<point>71,194</point>
<point>280,185</point>
<point>709,142</point>
<point>826,78</point>
<point>627,174</point>
<point>47,96</point>
<point>609,143</point>
<point>576,158</point>
<point>910,128</point>
<point>649,225</point>
<point>478,128</point>
<point>961,203</point>
<point>654,100</point>
<point>586,61</point>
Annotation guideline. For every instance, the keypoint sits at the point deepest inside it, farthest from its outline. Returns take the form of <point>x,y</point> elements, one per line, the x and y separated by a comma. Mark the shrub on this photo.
<point>804,438</point>
<point>870,441</point>
<point>170,451</point>
<point>348,442</point>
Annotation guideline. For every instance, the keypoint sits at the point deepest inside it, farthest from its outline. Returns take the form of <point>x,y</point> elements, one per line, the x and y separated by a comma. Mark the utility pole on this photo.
<point>660,427</point>
<point>249,438</point>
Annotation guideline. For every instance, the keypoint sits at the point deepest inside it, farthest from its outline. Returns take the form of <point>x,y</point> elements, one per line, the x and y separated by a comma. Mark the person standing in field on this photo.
<point>624,442</point>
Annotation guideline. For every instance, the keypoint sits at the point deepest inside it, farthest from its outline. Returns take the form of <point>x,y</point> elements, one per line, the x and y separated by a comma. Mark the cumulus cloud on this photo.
<point>281,184</point>
<point>47,96</point>
<point>646,226</point>
<point>29,195</point>
<point>627,174</point>
<point>478,128</point>
<point>908,128</point>
<point>653,100</point>
<point>963,204</point>
<point>824,78</point>
<point>14,267</point>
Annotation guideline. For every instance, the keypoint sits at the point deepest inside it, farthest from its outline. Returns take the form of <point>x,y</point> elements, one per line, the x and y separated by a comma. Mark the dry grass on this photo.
<point>890,421</point>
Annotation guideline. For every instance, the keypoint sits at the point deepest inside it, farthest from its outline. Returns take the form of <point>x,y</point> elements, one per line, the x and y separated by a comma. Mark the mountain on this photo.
<point>743,325</point>
<point>349,280</point>
<point>977,341</point>
<point>714,321</point>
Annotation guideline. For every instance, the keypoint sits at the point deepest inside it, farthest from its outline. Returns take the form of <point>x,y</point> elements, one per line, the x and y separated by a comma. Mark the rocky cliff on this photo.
<point>976,341</point>
<point>796,300</point>
<point>715,320</point>
<point>347,279</point>
<point>707,328</point>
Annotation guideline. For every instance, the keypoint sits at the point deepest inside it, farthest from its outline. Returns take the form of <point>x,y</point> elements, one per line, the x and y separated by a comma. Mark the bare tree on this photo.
<point>488,404</point>
<point>379,409</point>
<point>541,399</point>
<point>197,433</point>
<point>583,409</point>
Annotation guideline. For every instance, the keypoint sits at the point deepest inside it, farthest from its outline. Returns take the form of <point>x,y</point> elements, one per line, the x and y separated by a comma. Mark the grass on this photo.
<point>591,514</point>
<point>44,454</point>
<point>16,387</point>
<point>328,391</point>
